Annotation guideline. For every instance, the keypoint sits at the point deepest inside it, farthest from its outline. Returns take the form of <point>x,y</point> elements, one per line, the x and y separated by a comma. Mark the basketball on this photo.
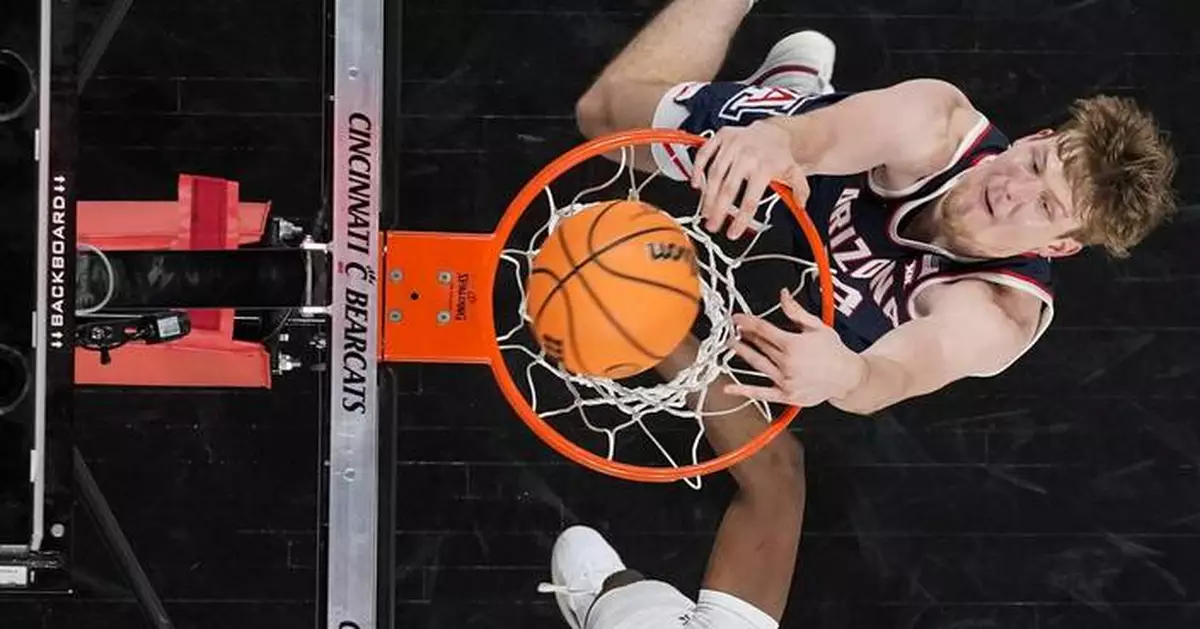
<point>614,289</point>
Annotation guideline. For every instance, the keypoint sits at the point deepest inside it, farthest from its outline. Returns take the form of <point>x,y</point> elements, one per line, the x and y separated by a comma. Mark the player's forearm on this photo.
<point>884,383</point>
<point>730,421</point>
<point>905,124</point>
<point>822,148</point>
<point>724,434</point>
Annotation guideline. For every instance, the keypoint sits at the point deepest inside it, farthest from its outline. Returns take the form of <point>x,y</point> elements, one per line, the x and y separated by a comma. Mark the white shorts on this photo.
<point>701,108</point>
<point>673,159</point>
<point>657,605</point>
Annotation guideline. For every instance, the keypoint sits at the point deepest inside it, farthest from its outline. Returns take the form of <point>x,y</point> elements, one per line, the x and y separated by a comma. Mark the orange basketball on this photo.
<point>614,289</point>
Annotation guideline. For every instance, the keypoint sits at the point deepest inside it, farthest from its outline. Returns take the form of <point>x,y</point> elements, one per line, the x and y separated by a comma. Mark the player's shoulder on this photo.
<point>937,119</point>
<point>1015,290</point>
<point>934,87</point>
<point>936,96</point>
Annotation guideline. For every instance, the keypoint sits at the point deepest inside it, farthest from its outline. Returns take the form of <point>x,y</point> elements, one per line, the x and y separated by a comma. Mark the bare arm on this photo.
<point>965,328</point>
<point>754,552</point>
<point>902,133</point>
<point>908,128</point>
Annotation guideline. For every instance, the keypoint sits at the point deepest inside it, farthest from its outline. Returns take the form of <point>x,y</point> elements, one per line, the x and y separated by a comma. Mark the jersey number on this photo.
<point>758,102</point>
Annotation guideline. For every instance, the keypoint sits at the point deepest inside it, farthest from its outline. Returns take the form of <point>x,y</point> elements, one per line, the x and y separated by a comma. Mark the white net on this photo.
<point>635,404</point>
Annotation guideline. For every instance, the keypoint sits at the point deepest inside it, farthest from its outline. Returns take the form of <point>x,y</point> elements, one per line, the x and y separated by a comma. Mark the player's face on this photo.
<point>1016,203</point>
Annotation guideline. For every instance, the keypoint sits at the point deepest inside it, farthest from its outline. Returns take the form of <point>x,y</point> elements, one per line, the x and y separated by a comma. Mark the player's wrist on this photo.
<point>858,371</point>
<point>794,131</point>
<point>855,374</point>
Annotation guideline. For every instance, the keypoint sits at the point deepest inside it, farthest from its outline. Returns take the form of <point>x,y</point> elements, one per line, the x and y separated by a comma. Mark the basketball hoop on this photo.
<point>440,305</point>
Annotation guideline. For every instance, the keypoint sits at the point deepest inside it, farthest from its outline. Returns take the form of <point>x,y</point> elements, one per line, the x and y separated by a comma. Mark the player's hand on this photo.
<point>806,367</point>
<point>754,156</point>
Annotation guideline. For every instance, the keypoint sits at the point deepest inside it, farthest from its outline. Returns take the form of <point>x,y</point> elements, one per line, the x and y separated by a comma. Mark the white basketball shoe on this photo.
<point>581,561</point>
<point>801,61</point>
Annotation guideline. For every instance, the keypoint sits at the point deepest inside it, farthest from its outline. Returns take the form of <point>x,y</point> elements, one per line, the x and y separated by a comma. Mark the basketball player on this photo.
<point>940,230</point>
<point>753,557</point>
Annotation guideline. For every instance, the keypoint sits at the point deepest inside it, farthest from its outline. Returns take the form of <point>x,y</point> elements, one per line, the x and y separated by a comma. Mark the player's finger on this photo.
<point>799,184</point>
<point>715,178</point>
<point>766,394</point>
<point>722,161</point>
<point>757,361</point>
<point>751,334</point>
<point>703,155</point>
<point>755,187</point>
<point>738,174</point>
<point>745,321</point>
<point>762,329</point>
<point>714,216</point>
<point>797,313</point>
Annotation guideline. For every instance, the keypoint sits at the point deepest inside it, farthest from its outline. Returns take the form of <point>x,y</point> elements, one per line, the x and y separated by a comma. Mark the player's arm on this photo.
<point>962,329</point>
<point>902,133</point>
<point>754,552</point>
<point>911,127</point>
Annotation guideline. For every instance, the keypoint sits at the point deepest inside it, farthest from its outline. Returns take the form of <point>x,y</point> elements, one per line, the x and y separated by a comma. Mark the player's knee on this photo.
<point>593,109</point>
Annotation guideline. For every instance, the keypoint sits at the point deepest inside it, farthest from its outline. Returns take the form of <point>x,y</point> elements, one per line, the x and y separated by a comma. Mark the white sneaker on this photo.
<point>581,561</point>
<point>801,61</point>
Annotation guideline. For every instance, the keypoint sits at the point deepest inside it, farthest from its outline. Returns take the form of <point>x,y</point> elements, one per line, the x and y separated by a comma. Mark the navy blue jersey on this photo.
<point>877,273</point>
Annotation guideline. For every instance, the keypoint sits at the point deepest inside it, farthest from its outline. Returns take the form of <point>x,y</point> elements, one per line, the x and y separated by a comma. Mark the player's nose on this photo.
<point>1021,189</point>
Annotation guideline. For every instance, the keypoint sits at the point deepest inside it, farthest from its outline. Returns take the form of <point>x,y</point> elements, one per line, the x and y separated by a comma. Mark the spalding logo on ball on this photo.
<point>614,289</point>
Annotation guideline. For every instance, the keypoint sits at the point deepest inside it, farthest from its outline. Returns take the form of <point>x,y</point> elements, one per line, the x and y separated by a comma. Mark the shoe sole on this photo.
<point>776,57</point>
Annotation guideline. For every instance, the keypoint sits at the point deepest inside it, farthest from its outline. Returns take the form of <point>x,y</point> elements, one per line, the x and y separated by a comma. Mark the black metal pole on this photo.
<point>100,41</point>
<point>118,545</point>
<point>393,16</point>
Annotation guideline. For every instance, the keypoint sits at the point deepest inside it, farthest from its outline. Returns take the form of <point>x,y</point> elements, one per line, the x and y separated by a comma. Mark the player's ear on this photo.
<point>1060,248</point>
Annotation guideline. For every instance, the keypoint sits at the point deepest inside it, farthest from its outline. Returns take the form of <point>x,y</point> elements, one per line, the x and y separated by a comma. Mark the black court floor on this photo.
<point>1064,494</point>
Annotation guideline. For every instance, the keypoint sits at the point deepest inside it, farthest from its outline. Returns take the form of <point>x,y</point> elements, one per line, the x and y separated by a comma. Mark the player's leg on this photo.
<point>686,41</point>
<point>795,77</point>
<point>754,552</point>
<point>749,571</point>
<point>753,558</point>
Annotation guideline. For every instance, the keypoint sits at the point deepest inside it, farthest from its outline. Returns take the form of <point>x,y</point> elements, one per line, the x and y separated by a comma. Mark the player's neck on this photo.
<point>923,226</point>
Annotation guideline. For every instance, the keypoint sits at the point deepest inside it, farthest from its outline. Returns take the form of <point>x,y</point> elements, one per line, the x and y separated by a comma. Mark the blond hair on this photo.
<point>1120,168</point>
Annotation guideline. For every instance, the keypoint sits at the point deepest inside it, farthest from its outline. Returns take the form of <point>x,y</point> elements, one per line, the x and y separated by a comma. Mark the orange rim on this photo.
<point>594,148</point>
